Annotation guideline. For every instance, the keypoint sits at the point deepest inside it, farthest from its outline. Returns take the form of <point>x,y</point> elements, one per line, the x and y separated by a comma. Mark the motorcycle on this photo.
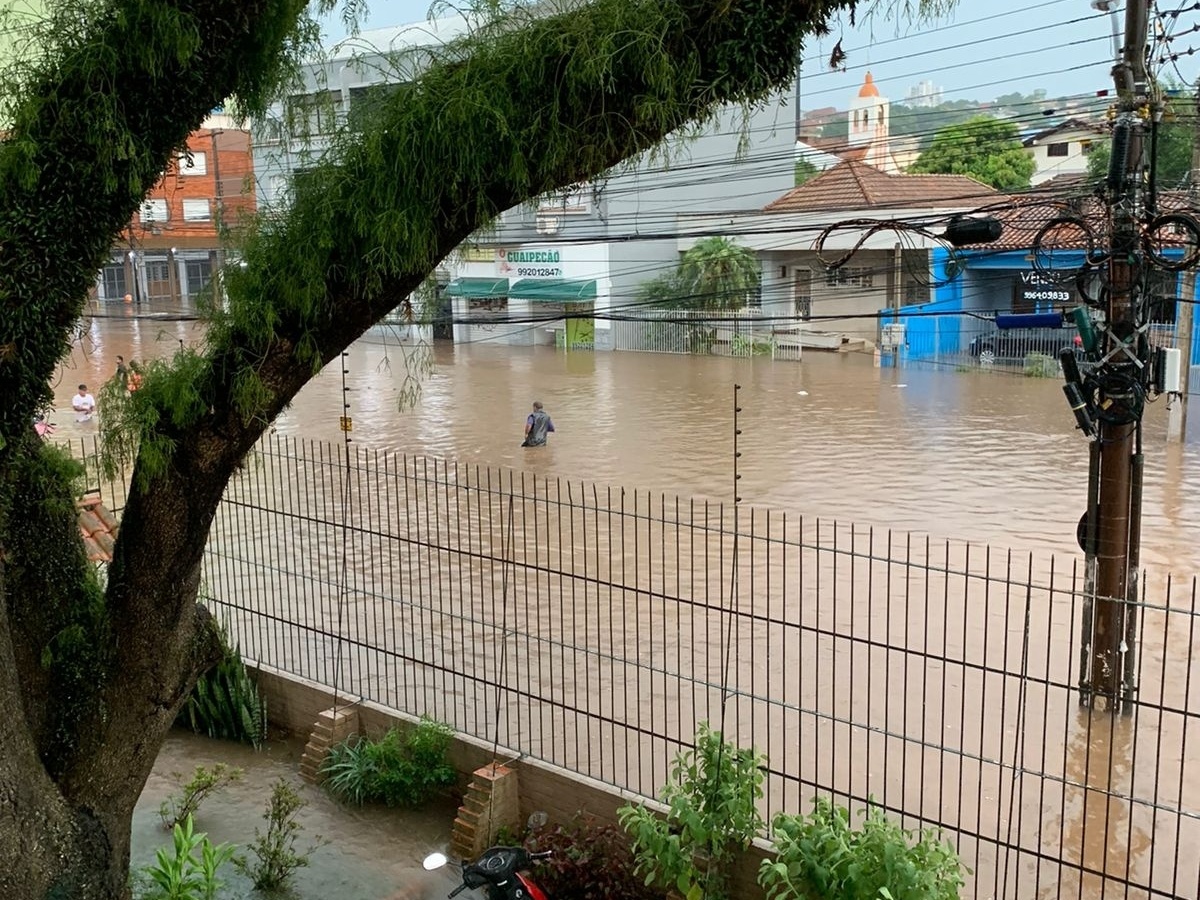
<point>498,871</point>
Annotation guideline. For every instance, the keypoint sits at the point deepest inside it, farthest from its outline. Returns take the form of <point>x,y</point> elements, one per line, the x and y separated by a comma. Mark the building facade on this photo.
<point>172,249</point>
<point>553,270</point>
<point>1063,149</point>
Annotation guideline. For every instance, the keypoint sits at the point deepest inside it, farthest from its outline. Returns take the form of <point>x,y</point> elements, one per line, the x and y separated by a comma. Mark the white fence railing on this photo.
<point>702,331</point>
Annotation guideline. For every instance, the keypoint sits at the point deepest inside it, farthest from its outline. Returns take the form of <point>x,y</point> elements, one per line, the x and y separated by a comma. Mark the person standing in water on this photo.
<point>537,425</point>
<point>84,405</point>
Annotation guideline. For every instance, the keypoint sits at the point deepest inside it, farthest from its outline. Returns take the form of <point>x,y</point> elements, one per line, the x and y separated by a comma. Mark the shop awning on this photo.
<point>478,288</point>
<point>554,290</point>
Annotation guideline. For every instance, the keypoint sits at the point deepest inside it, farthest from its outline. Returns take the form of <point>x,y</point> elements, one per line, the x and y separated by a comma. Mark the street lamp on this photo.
<point>1110,7</point>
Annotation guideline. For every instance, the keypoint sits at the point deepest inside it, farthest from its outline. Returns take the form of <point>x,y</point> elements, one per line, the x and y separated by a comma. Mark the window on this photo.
<point>198,273</point>
<point>112,280</point>
<point>1086,147</point>
<point>193,164</point>
<point>915,292</point>
<point>802,293</point>
<point>310,114</point>
<point>368,100</point>
<point>849,276</point>
<point>1057,149</point>
<point>196,211</point>
<point>575,199</point>
<point>156,270</point>
<point>154,211</point>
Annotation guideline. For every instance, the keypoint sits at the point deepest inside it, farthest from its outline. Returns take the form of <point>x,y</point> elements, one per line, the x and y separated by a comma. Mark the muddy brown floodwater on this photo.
<point>975,456</point>
<point>971,456</point>
<point>371,854</point>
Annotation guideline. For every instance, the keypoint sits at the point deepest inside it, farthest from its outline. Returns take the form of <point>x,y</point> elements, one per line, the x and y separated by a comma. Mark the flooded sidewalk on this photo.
<point>372,853</point>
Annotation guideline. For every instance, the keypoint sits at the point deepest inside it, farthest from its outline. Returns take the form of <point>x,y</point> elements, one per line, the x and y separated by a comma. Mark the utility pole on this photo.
<point>1185,326</point>
<point>1119,492</point>
<point>219,198</point>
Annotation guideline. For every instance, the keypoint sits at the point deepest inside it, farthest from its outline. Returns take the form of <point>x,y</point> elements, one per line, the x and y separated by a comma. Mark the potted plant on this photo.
<point>712,814</point>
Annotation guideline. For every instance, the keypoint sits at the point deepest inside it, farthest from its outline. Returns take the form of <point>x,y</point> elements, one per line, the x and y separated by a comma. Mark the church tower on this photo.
<point>868,115</point>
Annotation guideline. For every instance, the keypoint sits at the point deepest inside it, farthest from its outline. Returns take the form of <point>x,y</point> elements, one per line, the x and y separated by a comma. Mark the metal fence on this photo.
<point>956,340</point>
<point>724,333</point>
<point>594,627</point>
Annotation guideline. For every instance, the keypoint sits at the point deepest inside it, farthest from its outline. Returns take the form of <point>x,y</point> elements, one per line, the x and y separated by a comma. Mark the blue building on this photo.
<point>971,287</point>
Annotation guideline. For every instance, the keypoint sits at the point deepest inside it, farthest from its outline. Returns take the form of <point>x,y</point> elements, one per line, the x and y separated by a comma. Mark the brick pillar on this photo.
<point>332,727</point>
<point>492,802</point>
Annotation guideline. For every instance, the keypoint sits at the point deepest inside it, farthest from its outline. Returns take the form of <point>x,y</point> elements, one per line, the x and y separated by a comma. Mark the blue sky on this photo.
<point>981,51</point>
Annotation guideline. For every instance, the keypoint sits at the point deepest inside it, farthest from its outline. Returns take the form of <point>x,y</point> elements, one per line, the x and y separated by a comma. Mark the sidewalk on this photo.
<point>371,854</point>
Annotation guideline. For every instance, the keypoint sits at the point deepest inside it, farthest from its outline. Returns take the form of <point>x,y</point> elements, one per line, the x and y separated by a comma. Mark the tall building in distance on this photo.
<point>923,94</point>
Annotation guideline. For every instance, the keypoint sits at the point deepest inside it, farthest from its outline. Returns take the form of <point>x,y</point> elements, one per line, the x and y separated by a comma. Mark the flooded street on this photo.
<point>938,679</point>
<point>976,456</point>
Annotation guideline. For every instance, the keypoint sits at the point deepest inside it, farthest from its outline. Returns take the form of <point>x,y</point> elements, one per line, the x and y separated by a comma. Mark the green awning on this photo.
<point>478,288</point>
<point>554,290</point>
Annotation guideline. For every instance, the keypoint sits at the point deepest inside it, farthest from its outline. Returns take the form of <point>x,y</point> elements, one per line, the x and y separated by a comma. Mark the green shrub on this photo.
<point>203,784</point>
<point>178,873</point>
<point>403,768</point>
<point>712,815</point>
<point>820,857</point>
<point>591,861</point>
<point>225,702</point>
<point>1040,365</point>
<point>275,851</point>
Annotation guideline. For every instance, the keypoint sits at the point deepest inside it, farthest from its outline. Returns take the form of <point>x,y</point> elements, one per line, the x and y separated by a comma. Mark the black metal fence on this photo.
<point>593,628</point>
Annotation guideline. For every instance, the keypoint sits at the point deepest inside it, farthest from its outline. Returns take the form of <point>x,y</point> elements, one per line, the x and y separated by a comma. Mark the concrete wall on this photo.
<point>293,704</point>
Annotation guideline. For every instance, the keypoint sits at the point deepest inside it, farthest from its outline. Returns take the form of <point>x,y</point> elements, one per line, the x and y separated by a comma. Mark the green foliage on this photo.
<point>805,170</point>
<point>838,129</point>
<point>984,148</point>
<point>591,861</point>
<point>203,784</point>
<point>924,122</point>
<point>76,163</point>
<point>180,874</point>
<point>714,274</point>
<point>1041,365</point>
<point>403,768</point>
<point>820,857</point>
<point>277,857</point>
<point>54,594</point>
<point>1174,154</point>
<point>712,813</point>
<point>741,345</point>
<point>225,702</point>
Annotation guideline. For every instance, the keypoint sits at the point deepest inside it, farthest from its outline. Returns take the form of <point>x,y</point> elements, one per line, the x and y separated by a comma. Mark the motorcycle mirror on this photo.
<point>434,861</point>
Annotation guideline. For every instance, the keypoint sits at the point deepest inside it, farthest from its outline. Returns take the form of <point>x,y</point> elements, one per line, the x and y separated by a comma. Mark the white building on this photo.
<point>583,251</point>
<point>1062,149</point>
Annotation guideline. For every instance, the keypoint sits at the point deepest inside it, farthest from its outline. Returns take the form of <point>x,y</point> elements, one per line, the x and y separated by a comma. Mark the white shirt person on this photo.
<point>84,405</point>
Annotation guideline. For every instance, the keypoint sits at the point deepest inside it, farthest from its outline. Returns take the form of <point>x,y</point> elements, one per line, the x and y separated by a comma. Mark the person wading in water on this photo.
<point>537,426</point>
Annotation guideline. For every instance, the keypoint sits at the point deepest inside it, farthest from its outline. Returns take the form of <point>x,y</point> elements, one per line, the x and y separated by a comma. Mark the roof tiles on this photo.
<point>852,184</point>
<point>98,528</point>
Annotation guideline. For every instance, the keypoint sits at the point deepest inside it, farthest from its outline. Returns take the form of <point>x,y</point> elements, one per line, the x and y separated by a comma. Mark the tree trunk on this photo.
<point>558,103</point>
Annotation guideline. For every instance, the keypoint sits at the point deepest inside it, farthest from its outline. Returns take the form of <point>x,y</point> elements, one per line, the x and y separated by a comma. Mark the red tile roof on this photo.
<point>853,184</point>
<point>98,528</point>
<point>1024,215</point>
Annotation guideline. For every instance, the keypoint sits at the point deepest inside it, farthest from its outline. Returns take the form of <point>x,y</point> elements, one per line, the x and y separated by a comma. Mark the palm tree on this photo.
<point>716,273</point>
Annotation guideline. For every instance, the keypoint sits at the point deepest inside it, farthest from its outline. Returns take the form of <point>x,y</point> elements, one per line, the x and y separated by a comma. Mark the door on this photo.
<point>802,293</point>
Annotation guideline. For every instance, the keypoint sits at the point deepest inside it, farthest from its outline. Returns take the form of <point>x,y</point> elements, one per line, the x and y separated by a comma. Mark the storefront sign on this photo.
<point>1032,289</point>
<point>529,263</point>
